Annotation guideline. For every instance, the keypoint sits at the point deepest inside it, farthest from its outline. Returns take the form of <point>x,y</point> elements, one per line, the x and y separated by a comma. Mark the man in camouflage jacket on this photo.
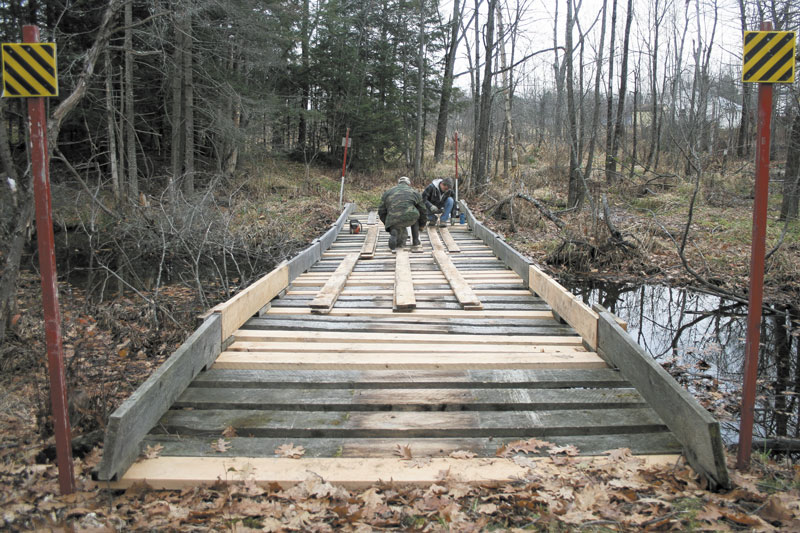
<point>402,207</point>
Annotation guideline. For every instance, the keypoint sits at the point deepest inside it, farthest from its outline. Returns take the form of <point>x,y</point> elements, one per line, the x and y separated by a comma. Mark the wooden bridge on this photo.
<point>359,365</point>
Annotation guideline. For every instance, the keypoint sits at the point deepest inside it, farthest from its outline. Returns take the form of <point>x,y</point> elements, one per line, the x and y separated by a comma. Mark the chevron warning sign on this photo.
<point>769,56</point>
<point>29,69</point>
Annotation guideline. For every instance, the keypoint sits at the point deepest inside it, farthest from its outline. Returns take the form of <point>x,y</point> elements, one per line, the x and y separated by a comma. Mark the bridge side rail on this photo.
<point>693,426</point>
<point>136,416</point>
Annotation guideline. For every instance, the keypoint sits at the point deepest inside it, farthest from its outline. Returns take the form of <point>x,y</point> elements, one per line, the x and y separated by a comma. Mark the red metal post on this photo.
<point>47,264</point>
<point>455,137</point>
<point>756,295</point>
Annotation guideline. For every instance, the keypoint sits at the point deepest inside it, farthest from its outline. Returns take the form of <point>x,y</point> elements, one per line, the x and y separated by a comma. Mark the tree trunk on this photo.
<point>509,149</point>
<point>480,165</point>
<point>596,108</point>
<point>610,95</point>
<point>791,178</point>
<point>188,104</point>
<point>611,167</point>
<point>177,112</point>
<point>575,188</point>
<point>111,124</point>
<point>420,93</point>
<point>305,89</point>
<point>130,117</point>
<point>447,85</point>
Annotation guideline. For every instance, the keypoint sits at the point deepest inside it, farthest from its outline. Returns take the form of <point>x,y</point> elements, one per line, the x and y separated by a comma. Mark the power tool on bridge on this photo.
<point>355,226</point>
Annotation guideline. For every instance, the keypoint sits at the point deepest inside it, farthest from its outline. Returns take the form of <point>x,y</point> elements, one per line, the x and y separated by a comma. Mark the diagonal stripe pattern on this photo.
<point>769,56</point>
<point>29,70</point>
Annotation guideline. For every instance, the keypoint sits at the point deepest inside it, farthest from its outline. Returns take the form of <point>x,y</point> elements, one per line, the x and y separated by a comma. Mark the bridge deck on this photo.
<point>422,388</point>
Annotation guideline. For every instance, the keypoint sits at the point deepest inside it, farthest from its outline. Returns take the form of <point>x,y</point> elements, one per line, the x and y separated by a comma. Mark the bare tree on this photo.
<point>611,161</point>
<point>447,79</point>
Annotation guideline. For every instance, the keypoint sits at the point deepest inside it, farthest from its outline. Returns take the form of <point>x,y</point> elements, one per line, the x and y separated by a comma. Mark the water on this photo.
<point>703,336</point>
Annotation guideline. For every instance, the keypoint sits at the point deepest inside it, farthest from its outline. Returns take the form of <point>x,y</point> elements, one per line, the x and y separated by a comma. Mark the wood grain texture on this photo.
<point>137,414</point>
<point>370,242</point>
<point>404,299</point>
<point>326,298</point>
<point>464,293</point>
<point>449,241</point>
<point>692,425</point>
<point>241,307</point>
<point>573,311</point>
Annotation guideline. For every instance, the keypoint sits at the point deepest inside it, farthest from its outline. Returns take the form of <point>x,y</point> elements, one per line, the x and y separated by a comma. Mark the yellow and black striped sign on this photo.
<point>29,69</point>
<point>769,56</point>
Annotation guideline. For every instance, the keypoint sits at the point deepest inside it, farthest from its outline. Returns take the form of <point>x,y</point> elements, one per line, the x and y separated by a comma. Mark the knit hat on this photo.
<point>404,179</point>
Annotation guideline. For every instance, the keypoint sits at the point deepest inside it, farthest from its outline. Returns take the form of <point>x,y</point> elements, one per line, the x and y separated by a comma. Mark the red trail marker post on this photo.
<point>29,71</point>
<point>769,57</point>
<point>345,142</point>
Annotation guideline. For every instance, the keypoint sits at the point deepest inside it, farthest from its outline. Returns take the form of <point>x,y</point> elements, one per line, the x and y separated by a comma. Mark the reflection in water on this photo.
<point>705,334</point>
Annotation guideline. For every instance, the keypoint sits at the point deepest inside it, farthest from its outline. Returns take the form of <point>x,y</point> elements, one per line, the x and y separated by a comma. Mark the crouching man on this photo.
<point>402,207</point>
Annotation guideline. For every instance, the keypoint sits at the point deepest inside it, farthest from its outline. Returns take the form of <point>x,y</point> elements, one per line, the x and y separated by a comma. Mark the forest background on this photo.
<point>198,143</point>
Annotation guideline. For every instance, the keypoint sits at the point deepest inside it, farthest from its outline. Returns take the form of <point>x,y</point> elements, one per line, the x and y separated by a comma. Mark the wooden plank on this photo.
<point>370,243</point>
<point>134,418</point>
<point>407,360</point>
<point>326,297</point>
<point>346,336</point>
<point>175,473</point>
<point>692,425</point>
<point>449,241</point>
<point>389,379</point>
<point>411,399</point>
<point>409,424</point>
<point>466,297</point>
<point>241,307</point>
<point>573,311</point>
<point>394,347</point>
<point>587,445</point>
<point>430,313</point>
<point>404,299</point>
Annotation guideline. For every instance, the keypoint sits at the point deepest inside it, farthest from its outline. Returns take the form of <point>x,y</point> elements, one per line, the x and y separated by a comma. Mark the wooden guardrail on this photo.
<point>142,410</point>
<point>693,426</point>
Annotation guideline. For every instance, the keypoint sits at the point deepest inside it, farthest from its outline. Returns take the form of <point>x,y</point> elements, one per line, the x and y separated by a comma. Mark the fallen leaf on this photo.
<point>152,452</point>
<point>290,451</point>
<point>566,450</point>
<point>229,432</point>
<point>488,508</point>
<point>775,510</point>
<point>462,454</point>
<point>529,446</point>
<point>404,452</point>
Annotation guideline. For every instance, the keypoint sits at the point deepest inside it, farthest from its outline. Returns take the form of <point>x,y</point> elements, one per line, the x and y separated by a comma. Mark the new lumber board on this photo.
<point>567,306</point>
<point>404,299</point>
<point>346,336</point>
<point>406,360</point>
<point>449,241</point>
<point>370,243</point>
<point>241,307</point>
<point>174,473</point>
<point>692,425</point>
<point>326,298</point>
<point>466,297</point>
<point>430,313</point>
<point>394,347</point>
<point>142,409</point>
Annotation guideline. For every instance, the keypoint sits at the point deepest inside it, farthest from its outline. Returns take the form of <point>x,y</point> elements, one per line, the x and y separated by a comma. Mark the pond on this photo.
<point>701,338</point>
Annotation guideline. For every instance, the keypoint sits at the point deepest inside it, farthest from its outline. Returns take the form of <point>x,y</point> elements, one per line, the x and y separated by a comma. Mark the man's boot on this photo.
<point>392,239</point>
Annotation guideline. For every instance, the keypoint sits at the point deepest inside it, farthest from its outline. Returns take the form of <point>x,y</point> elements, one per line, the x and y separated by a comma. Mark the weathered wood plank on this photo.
<point>134,418</point>
<point>573,311</point>
<point>412,399</point>
<point>394,347</point>
<point>416,424</point>
<point>387,379</point>
<point>407,360</point>
<point>404,299</point>
<point>241,307</point>
<point>658,443</point>
<point>692,425</point>
<point>326,298</point>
